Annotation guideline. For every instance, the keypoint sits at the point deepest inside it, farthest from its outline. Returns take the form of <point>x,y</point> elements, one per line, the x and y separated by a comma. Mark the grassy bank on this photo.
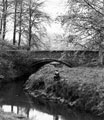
<point>81,87</point>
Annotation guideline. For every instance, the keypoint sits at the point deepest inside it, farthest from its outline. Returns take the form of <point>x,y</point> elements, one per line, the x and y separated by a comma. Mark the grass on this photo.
<point>82,87</point>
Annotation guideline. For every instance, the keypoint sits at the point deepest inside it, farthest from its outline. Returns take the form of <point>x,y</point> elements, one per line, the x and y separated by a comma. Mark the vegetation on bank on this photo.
<point>81,87</point>
<point>7,64</point>
<point>13,62</point>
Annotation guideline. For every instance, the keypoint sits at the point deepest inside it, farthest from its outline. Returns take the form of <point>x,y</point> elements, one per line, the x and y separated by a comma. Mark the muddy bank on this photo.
<point>74,86</point>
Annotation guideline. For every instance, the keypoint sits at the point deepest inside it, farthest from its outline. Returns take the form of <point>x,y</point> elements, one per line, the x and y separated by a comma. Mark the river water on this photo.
<point>14,99</point>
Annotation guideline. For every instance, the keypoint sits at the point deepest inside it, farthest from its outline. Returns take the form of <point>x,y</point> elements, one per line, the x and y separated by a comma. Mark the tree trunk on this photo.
<point>3,12</point>
<point>0,25</point>
<point>100,46</point>
<point>17,109</point>
<point>30,27</point>
<point>4,18</point>
<point>15,21</point>
<point>100,55</point>
<point>12,108</point>
<point>20,24</point>
<point>27,112</point>
<point>56,117</point>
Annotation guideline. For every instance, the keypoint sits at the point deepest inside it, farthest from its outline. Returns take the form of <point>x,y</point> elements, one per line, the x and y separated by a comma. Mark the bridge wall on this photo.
<point>57,54</point>
<point>67,54</point>
<point>74,57</point>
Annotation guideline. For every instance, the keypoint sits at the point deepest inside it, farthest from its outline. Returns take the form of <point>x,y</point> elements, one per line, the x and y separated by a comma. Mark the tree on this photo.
<point>28,22</point>
<point>4,6</point>
<point>87,20</point>
<point>0,22</point>
<point>33,22</point>
<point>15,22</point>
<point>20,22</point>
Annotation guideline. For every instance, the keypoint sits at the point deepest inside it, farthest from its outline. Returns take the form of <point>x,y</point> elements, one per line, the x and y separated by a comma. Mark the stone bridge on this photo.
<point>56,54</point>
<point>37,59</point>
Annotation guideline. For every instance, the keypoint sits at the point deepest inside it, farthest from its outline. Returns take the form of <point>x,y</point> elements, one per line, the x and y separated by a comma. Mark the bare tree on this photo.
<point>30,21</point>
<point>20,22</point>
<point>33,21</point>
<point>0,23</point>
<point>15,21</point>
<point>87,20</point>
<point>3,19</point>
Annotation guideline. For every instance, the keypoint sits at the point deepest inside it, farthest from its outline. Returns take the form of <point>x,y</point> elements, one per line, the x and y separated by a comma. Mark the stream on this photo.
<point>13,99</point>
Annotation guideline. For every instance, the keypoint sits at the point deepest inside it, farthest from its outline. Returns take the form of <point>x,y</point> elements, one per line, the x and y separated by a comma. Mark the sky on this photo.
<point>55,7</point>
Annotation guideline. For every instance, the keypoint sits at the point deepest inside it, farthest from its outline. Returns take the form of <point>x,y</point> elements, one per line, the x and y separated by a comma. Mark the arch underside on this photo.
<point>37,64</point>
<point>43,62</point>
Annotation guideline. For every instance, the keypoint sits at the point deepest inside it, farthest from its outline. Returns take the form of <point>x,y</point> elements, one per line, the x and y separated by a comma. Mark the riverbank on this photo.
<point>81,87</point>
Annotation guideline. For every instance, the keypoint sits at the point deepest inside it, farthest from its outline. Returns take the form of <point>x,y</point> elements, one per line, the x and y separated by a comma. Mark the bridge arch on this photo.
<point>40,63</point>
<point>37,65</point>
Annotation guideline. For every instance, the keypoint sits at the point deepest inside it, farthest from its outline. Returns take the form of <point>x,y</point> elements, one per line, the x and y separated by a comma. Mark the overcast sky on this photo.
<point>55,7</point>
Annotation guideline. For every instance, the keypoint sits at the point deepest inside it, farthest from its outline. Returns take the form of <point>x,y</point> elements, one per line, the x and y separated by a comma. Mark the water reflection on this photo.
<point>32,113</point>
<point>9,108</point>
<point>13,99</point>
<point>56,117</point>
